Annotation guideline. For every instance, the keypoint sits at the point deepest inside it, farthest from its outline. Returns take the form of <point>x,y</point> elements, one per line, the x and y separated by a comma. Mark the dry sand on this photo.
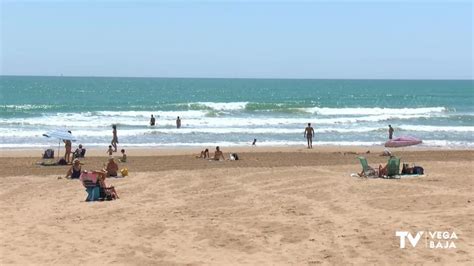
<point>290,207</point>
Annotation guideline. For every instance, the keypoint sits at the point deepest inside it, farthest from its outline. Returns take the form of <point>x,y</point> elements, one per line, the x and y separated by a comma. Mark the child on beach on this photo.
<point>110,150</point>
<point>124,156</point>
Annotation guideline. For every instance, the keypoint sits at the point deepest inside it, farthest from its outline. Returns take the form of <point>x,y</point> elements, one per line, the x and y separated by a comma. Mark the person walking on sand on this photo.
<point>114,137</point>
<point>152,121</point>
<point>178,122</point>
<point>308,134</point>
<point>390,132</point>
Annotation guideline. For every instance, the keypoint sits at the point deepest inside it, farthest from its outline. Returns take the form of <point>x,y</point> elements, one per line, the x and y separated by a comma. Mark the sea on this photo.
<point>233,112</point>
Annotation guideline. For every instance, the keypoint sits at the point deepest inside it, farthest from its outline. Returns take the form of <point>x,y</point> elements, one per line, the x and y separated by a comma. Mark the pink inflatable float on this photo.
<point>403,141</point>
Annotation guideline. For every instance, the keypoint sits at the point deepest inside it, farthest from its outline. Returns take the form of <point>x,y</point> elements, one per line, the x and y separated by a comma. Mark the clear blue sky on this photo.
<point>231,39</point>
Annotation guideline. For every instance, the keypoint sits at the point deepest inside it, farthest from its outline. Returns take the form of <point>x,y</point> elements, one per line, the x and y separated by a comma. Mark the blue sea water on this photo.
<point>232,112</point>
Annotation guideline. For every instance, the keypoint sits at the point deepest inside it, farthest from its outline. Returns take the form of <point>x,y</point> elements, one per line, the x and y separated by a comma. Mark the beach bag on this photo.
<point>48,154</point>
<point>124,172</point>
<point>418,170</point>
<point>62,161</point>
<point>234,156</point>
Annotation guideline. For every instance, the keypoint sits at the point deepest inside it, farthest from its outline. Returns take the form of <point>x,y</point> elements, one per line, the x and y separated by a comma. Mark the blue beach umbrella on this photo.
<point>60,135</point>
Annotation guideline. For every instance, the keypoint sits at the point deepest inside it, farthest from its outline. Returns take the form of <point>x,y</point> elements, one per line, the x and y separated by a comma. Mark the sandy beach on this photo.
<point>275,206</point>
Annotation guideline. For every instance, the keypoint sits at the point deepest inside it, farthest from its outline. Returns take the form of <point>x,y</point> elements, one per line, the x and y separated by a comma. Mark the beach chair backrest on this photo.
<point>364,163</point>
<point>393,167</point>
<point>89,179</point>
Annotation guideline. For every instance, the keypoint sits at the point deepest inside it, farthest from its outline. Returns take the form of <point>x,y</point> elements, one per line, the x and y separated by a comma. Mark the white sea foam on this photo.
<point>95,121</point>
<point>146,114</point>
<point>295,130</point>
<point>374,111</point>
<point>437,128</point>
<point>223,106</point>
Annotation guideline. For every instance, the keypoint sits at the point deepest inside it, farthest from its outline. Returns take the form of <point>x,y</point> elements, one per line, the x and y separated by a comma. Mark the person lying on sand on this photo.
<point>218,154</point>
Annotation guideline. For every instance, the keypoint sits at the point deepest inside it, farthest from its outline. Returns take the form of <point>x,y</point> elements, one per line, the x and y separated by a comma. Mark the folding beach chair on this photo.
<point>393,166</point>
<point>366,169</point>
<point>89,181</point>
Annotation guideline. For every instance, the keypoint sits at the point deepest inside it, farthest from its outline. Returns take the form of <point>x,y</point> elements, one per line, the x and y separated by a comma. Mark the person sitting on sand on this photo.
<point>124,156</point>
<point>204,154</point>
<point>383,170</point>
<point>112,168</point>
<point>105,191</point>
<point>218,154</point>
<point>386,152</point>
<point>79,152</point>
<point>75,170</point>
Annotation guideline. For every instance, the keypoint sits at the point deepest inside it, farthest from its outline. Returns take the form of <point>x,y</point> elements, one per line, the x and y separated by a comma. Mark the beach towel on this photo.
<point>49,162</point>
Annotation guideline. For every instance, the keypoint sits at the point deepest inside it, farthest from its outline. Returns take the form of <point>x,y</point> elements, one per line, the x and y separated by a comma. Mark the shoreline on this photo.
<point>187,150</point>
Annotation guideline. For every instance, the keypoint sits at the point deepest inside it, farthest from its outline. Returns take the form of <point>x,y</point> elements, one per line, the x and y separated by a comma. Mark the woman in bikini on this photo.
<point>75,170</point>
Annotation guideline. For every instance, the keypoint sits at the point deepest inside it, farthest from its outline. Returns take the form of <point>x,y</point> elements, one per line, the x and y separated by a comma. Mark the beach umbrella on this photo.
<point>60,135</point>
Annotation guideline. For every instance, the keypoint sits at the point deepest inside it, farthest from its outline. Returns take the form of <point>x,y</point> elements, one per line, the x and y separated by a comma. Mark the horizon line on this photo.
<point>267,78</point>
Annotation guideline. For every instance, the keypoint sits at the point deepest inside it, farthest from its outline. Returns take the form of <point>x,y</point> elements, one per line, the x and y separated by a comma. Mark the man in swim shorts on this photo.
<point>390,131</point>
<point>308,134</point>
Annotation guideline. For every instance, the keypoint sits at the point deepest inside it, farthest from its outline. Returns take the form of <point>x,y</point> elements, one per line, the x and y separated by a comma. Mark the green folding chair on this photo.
<point>366,169</point>
<point>364,163</point>
<point>393,166</point>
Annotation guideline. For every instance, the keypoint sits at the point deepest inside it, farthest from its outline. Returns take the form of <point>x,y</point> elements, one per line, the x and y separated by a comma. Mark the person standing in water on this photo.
<point>178,122</point>
<point>308,134</point>
<point>152,121</point>
<point>114,138</point>
<point>390,132</point>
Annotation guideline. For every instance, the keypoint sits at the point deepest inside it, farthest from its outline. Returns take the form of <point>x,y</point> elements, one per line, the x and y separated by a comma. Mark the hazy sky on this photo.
<point>232,39</point>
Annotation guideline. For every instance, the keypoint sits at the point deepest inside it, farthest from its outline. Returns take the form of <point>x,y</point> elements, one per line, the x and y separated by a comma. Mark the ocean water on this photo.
<point>232,112</point>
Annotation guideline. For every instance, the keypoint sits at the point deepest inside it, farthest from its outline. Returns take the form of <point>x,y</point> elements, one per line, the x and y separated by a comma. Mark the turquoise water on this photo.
<point>232,112</point>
